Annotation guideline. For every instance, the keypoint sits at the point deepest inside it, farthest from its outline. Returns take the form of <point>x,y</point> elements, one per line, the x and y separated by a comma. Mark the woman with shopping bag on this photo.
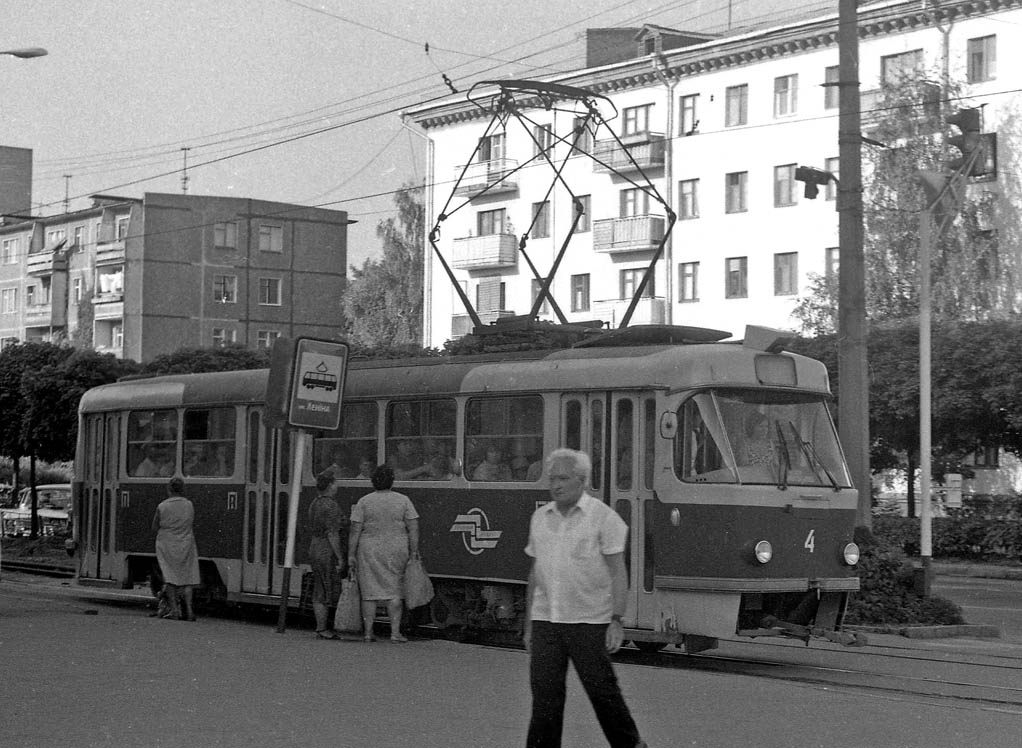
<point>384,536</point>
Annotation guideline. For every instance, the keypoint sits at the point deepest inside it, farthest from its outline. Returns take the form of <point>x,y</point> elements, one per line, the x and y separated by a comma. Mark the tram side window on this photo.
<point>209,442</point>
<point>349,452</point>
<point>504,438</point>
<point>152,443</point>
<point>697,455</point>
<point>420,439</point>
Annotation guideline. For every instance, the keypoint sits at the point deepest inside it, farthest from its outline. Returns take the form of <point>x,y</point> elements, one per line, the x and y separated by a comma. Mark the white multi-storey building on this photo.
<point>719,125</point>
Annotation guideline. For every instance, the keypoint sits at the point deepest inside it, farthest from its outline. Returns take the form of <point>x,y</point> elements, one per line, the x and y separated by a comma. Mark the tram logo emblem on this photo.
<point>476,534</point>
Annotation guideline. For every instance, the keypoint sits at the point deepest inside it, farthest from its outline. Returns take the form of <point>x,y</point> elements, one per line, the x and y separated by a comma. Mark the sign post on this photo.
<point>313,374</point>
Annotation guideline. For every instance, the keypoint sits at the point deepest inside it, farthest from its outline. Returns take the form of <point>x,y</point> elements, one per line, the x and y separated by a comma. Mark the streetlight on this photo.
<point>25,52</point>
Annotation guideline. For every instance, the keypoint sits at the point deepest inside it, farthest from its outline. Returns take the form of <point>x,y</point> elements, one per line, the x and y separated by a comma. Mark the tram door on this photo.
<point>99,502</point>
<point>629,485</point>
<point>264,498</point>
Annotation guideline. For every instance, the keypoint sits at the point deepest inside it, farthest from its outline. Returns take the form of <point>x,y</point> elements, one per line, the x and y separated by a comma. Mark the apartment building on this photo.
<point>141,277</point>
<point>719,126</point>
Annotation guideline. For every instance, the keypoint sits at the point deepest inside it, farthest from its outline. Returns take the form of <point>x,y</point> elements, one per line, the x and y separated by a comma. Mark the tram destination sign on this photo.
<point>306,383</point>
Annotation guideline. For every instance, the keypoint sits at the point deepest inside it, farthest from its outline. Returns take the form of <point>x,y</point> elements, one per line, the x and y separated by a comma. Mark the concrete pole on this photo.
<point>925,421</point>
<point>853,397</point>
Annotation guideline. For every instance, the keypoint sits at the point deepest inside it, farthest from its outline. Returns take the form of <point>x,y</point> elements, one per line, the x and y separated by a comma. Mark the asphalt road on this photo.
<point>993,602</point>
<point>81,672</point>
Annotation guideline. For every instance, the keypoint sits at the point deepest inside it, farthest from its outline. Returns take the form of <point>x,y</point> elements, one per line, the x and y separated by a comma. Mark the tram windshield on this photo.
<point>758,437</point>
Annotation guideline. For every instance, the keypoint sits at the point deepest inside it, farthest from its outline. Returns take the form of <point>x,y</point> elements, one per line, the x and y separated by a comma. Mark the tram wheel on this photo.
<point>649,647</point>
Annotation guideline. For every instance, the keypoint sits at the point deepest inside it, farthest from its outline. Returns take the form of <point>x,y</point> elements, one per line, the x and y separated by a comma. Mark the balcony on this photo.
<point>632,234</point>
<point>46,263</point>
<point>461,324</point>
<point>110,253</point>
<point>486,252</point>
<point>483,174</point>
<point>110,306</point>
<point>649,311</point>
<point>44,315</point>
<point>646,150</point>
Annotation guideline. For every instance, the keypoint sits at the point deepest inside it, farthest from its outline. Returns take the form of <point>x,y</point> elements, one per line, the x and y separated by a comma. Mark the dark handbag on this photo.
<point>418,588</point>
<point>348,617</point>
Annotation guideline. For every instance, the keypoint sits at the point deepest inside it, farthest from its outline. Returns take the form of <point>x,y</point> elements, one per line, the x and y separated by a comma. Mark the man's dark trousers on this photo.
<point>583,644</point>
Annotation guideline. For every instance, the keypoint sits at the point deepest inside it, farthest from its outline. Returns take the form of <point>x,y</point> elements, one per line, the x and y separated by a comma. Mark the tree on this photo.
<point>383,300</point>
<point>193,360</point>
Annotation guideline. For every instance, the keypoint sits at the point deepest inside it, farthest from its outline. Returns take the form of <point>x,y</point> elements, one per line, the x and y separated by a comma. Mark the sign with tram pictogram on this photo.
<point>317,384</point>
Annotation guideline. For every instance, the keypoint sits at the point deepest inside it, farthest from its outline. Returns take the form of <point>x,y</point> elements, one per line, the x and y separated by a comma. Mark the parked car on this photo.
<point>54,509</point>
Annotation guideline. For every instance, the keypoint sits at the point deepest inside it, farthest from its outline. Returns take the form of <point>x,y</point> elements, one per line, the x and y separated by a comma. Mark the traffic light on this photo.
<point>969,142</point>
<point>813,179</point>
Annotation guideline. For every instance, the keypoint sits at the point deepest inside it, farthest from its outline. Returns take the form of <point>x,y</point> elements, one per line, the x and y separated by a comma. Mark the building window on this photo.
<point>636,119</point>
<point>987,457</point>
<point>542,140</point>
<point>491,148</point>
<point>630,280</point>
<point>688,281</point>
<point>585,223</point>
<point>831,262</point>
<point>8,300</point>
<point>688,116</point>
<point>982,59</point>
<point>117,336</point>
<point>223,335</point>
<point>225,289</point>
<point>831,90</point>
<point>785,274</point>
<point>736,280</point>
<point>581,136</point>
<point>269,291</point>
<point>491,222</point>
<point>688,198</point>
<point>832,165</point>
<point>580,293</point>
<point>785,95</point>
<point>490,295</point>
<point>634,202</point>
<point>896,68</point>
<point>225,235</point>
<point>271,238</point>
<point>540,220</point>
<point>736,102</point>
<point>266,338</point>
<point>76,290</point>
<point>784,186</point>
<point>736,188</point>
<point>122,227</point>
<point>79,236</point>
<point>55,237</point>
<point>537,286</point>
<point>30,296</point>
<point>11,248</point>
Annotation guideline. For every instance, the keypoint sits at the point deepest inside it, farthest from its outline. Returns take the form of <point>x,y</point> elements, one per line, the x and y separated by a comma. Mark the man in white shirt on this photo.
<point>577,595</point>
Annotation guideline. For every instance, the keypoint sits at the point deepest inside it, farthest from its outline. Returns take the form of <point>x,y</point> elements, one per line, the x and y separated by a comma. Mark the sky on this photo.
<point>295,101</point>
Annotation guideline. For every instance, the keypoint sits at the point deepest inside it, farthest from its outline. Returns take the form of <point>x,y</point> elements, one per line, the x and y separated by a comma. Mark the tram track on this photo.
<point>38,568</point>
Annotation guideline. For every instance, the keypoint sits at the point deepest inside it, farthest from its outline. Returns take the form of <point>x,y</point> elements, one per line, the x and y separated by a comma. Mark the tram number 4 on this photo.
<point>810,541</point>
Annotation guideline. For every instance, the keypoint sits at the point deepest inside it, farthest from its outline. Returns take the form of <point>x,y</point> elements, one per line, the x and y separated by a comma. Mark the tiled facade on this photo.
<point>719,126</point>
<point>143,277</point>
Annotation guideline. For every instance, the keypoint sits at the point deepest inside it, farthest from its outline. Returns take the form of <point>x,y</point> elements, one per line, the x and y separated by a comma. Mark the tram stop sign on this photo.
<point>308,376</point>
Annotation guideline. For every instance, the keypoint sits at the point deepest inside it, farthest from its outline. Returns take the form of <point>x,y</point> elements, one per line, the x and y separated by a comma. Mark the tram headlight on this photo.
<point>764,551</point>
<point>851,554</point>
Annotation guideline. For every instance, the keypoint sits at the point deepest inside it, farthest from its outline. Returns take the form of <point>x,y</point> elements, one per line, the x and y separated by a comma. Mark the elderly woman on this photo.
<point>384,534</point>
<point>326,554</point>
<point>176,551</point>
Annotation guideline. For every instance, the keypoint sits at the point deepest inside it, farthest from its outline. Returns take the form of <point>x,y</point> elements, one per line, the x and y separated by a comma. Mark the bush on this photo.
<point>967,537</point>
<point>887,587</point>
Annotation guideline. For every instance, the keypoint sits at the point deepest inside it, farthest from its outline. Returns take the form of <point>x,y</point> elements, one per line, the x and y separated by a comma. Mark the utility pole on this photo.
<point>184,172</point>
<point>853,396</point>
<point>67,193</point>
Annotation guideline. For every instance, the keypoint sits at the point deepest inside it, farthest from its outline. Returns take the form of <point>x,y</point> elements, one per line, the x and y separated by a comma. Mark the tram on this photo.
<point>721,457</point>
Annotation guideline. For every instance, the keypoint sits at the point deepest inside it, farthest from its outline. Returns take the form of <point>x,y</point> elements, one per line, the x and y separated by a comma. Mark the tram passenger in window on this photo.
<point>366,466</point>
<point>341,467</point>
<point>520,460</point>
<point>493,468</point>
<point>440,468</point>
<point>156,462</point>
<point>407,462</point>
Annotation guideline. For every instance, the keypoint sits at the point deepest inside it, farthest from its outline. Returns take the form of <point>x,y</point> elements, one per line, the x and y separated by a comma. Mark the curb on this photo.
<point>970,630</point>
<point>980,571</point>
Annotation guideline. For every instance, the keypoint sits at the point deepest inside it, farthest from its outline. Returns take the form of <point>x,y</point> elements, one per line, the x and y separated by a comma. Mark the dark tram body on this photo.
<point>721,457</point>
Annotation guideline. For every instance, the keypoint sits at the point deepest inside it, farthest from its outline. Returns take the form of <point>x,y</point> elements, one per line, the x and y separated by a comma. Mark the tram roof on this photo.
<point>667,367</point>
